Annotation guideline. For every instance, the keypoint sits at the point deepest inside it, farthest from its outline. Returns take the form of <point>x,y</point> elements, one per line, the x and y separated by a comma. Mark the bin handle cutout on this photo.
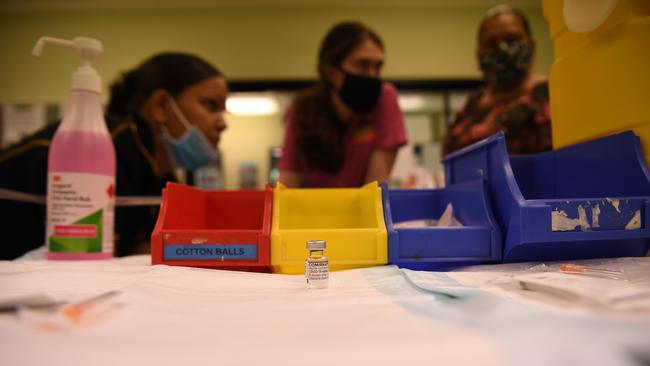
<point>583,16</point>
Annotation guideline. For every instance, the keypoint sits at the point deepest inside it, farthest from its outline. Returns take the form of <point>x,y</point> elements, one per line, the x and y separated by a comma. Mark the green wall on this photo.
<point>245,42</point>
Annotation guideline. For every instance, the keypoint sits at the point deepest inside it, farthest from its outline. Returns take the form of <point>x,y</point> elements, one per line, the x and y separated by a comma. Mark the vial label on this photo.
<point>80,209</point>
<point>317,273</point>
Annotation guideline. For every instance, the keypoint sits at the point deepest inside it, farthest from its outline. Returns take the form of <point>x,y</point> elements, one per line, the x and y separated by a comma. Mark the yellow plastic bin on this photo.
<point>351,220</point>
<point>600,79</point>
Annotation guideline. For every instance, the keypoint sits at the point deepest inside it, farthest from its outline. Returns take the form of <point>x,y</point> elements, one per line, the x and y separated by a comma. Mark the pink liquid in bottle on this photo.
<point>81,178</point>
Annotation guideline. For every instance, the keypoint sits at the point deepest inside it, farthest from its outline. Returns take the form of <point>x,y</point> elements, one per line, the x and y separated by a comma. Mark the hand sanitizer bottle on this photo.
<point>317,265</point>
<point>81,166</point>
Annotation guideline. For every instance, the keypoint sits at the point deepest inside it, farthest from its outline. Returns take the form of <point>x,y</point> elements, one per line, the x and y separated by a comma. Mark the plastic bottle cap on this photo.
<point>316,244</point>
<point>86,78</point>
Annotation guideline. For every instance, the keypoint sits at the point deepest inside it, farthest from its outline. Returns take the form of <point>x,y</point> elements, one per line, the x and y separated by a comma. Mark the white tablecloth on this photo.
<point>168,315</point>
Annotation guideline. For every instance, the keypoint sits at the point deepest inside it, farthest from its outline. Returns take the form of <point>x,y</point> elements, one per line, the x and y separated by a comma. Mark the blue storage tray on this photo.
<point>437,248</point>
<point>603,183</point>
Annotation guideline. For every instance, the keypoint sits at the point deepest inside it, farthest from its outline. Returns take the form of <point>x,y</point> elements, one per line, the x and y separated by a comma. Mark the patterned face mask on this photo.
<point>506,63</point>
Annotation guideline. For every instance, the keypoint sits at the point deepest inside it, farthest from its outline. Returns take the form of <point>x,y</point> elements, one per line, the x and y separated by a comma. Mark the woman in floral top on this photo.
<point>513,100</point>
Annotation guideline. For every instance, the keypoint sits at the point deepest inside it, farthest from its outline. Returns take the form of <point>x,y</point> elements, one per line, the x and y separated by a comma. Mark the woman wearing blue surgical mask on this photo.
<point>344,131</point>
<point>188,124</point>
<point>165,114</point>
<point>513,100</point>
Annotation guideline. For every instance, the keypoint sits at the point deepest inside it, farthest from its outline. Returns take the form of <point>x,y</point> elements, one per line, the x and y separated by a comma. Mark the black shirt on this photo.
<point>23,167</point>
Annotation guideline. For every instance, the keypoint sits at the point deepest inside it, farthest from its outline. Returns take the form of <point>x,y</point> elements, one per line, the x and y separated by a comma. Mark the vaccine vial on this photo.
<point>317,265</point>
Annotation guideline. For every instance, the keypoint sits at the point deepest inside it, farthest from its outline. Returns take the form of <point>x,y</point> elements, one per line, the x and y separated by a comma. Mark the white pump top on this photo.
<point>85,78</point>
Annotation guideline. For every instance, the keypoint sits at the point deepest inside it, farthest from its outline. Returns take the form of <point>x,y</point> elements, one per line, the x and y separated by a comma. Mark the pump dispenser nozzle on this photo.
<point>85,77</point>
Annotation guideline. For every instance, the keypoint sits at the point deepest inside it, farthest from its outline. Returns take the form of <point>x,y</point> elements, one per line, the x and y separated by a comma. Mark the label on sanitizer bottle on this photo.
<point>80,213</point>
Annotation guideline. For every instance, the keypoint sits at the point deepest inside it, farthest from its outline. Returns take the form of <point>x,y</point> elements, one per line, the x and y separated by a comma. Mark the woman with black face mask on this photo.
<point>346,130</point>
<point>512,100</point>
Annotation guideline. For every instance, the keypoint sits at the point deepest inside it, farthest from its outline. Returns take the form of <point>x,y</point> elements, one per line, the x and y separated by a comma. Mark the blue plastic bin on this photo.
<point>437,248</point>
<point>602,186</point>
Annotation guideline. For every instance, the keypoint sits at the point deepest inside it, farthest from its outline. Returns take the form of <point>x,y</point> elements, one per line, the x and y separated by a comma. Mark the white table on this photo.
<point>376,316</point>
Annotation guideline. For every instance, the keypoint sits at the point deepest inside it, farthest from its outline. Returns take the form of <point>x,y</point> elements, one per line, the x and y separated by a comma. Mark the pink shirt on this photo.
<point>381,128</point>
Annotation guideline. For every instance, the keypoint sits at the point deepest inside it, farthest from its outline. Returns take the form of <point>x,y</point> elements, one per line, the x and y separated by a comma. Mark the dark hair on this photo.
<point>321,132</point>
<point>505,9</point>
<point>173,72</point>
<point>340,41</point>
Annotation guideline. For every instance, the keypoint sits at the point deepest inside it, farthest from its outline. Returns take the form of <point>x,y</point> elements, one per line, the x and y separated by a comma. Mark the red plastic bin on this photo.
<point>213,229</point>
